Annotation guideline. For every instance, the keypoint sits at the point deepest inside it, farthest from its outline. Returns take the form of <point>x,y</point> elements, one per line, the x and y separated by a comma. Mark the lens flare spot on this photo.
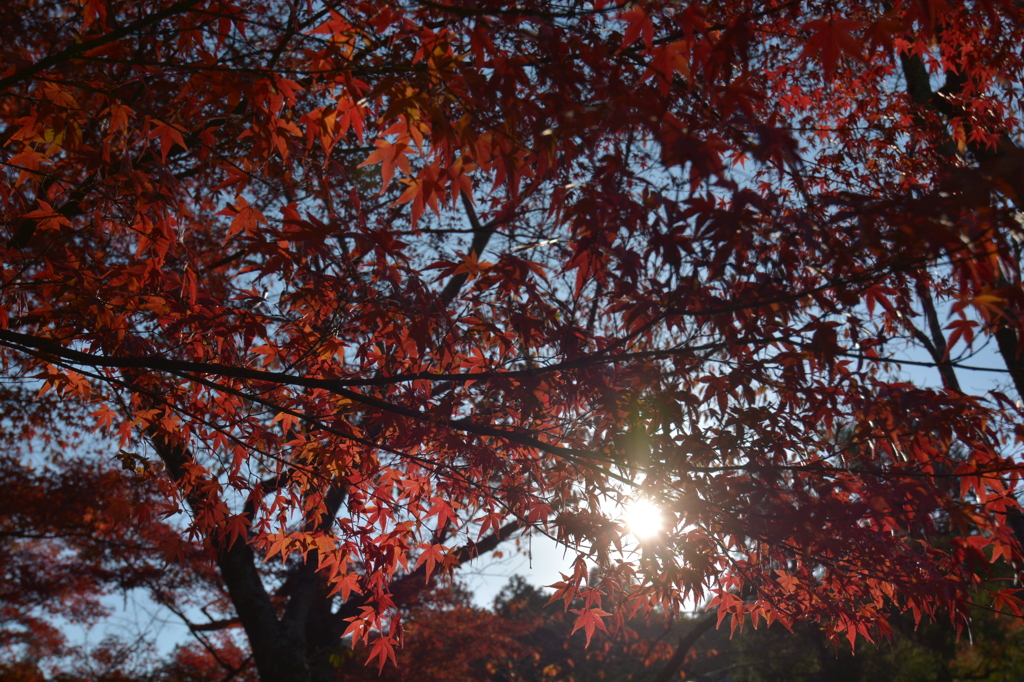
<point>644,520</point>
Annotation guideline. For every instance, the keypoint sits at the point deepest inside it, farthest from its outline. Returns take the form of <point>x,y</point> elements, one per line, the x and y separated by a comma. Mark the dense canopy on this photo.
<point>377,284</point>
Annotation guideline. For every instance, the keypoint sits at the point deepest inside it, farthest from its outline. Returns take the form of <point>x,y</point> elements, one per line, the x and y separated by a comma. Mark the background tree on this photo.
<point>640,250</point>
<point>925,651</point>
<point>639,651</point>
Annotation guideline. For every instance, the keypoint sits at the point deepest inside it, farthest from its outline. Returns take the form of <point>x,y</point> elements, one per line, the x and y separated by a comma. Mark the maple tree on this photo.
<point>366,288</point>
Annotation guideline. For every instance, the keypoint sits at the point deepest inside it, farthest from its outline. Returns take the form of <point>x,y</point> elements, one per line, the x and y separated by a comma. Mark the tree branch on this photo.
<point>279,657</point>
<point>686,642</point>
<point>1003,164</point>
<point>481,235</point>
<point>307,584</point>
<point>214,625</point>
<point>936,345</point>
<point>404,588</point>
<point>87,45</point>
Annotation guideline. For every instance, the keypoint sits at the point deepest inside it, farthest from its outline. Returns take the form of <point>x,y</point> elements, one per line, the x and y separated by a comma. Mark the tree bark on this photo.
<point>277,652</point>
<point>1002,165</point>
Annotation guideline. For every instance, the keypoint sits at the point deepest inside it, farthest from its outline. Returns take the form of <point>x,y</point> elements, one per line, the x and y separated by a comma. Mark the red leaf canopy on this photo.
<point>373,279</point>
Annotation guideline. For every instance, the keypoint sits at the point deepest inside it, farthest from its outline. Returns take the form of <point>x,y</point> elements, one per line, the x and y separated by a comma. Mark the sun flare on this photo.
<point>644,520</point>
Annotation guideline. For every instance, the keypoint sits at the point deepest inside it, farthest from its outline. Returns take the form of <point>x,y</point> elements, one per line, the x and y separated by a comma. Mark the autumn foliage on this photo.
<point>359,290</point>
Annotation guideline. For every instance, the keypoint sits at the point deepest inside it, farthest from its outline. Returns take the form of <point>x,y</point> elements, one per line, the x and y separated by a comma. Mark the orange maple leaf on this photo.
<point>589,619</point>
